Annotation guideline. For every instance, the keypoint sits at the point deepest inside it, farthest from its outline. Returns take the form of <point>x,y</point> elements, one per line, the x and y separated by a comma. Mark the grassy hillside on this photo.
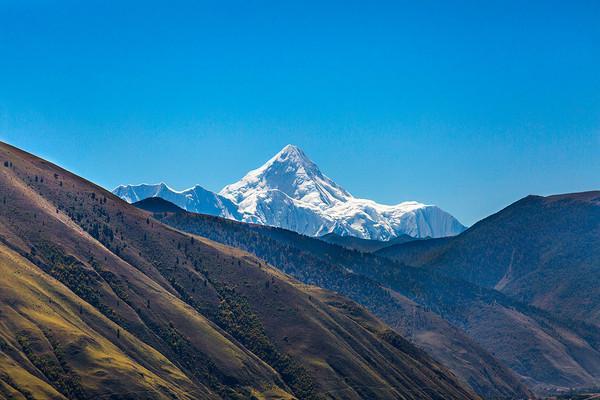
<point>136,309</point>
<point>54,344</point>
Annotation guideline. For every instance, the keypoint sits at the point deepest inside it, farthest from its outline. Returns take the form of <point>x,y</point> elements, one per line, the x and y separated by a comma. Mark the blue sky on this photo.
<point>466,105</point>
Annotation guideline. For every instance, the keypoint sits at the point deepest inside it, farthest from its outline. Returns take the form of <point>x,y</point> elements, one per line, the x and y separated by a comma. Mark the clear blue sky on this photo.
<point>468,105</point>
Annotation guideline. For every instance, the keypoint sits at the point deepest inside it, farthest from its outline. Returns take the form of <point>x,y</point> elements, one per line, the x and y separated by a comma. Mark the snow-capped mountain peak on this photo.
<point>291,172</point>
<point>291,192</point>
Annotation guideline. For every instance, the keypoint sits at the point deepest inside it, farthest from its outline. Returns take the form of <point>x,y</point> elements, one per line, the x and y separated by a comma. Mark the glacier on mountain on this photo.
<point>291,192</point>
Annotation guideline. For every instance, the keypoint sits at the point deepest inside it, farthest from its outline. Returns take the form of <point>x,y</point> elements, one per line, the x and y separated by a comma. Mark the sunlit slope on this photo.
<point>48,330</point>
<point>140,301</point>
<point>233,326</point>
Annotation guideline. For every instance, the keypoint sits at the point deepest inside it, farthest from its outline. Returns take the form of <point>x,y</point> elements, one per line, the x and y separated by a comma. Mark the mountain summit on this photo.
<point>290,191</point>
<point>291,172</point>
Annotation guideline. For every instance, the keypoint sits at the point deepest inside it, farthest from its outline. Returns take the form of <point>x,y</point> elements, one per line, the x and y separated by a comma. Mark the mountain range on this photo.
<point>291,192</point>
<point>99,299</point>
<point>315,262</point>
<point>545,252</point>
<point>478,332</point>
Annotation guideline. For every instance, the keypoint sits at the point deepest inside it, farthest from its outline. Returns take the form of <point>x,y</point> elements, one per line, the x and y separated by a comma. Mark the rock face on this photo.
<point>291,192</point>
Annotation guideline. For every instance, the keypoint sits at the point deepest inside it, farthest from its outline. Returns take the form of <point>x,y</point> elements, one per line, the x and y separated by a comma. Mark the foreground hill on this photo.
<point>446,316</point>
<point>291,192</point>
<point>99,299</point>
<point>543,251</point>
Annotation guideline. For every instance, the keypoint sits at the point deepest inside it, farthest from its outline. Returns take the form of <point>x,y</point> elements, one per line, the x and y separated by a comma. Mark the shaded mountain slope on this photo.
<point>157,205</point>
<point>543,251</point>
<point>547,352</point>
<point>415,253</point>
<point>309,260</point>
<point>364,245</point>
<point>220,322</point>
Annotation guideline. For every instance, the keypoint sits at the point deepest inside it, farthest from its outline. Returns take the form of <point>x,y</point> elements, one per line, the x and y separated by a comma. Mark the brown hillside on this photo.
<point>332,267</point>
<point>434,311</point>
<point>145,311</point>
<point>543,251</point>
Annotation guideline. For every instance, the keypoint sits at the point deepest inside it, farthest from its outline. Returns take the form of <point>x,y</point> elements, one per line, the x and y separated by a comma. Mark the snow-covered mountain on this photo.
<point>291,192</point>
<point>196,199</point>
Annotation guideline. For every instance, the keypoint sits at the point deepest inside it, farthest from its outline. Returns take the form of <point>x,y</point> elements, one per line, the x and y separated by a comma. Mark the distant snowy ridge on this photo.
<point>289,191</point>
<point>196,199</point>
